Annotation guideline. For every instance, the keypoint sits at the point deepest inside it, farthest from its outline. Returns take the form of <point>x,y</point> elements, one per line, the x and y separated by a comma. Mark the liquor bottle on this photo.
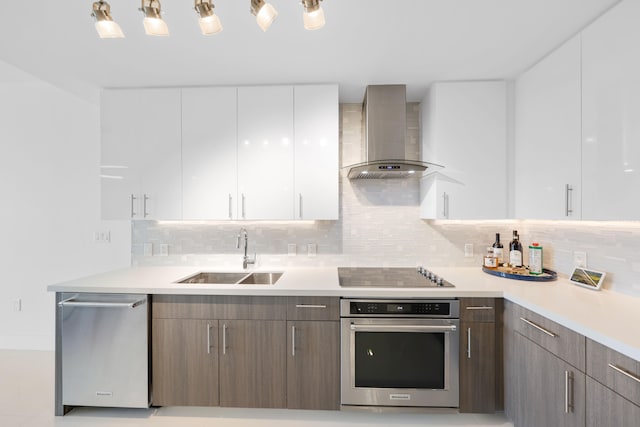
<point>498,249</point>
<point>515,251</point>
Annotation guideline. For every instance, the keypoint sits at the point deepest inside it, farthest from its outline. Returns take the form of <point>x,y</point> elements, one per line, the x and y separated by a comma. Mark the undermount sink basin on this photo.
<point>230,278</point>
<point>214,277</point>
<point>264,278</point>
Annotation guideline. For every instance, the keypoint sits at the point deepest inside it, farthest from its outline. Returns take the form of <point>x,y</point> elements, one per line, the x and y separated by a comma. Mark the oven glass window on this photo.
<point>399,360</point>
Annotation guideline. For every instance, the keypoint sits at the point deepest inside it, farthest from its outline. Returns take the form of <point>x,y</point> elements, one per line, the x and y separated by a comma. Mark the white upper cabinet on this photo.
<point>140,154</point>
<point>316,123</point>
<point>464,129</point>
<point>611,115</point>
<point>265,152</point>
<point>547,137</point>
<point>209,153</point>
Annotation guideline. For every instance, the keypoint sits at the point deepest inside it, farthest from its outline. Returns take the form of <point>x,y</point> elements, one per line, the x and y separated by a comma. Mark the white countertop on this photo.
<point>604,316</point>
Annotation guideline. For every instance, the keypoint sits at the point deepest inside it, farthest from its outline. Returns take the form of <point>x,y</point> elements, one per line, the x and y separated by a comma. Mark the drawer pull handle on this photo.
<point>624,372</point>
<point>538,327</point>
<point>480,307</point>
<point>468,343</point>
<point>311,306</point>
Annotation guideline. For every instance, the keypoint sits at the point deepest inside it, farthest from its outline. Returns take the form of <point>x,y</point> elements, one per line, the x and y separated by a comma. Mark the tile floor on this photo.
<point>26,400</point>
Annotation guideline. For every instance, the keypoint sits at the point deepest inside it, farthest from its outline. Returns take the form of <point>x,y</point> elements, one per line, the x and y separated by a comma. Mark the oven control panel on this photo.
<point>391,308</point>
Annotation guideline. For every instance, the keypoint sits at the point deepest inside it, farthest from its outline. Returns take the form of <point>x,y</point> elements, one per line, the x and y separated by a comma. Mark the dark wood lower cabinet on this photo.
<point>478,367</point>
<point>548,391</point>
<point>185,362</point>
<point>252,364</point>
<point>313,365</point>
<point>605,408</point>
<point>481,349</point>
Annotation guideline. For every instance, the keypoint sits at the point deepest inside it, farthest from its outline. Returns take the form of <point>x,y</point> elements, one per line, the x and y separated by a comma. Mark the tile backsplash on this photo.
<point>379,225</point>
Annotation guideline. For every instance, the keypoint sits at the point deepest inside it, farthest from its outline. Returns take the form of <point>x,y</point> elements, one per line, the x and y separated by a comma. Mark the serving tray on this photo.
<point>509,273</point>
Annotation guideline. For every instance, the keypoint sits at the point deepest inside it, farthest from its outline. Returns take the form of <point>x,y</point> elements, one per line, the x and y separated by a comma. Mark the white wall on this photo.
<point>49,204</point>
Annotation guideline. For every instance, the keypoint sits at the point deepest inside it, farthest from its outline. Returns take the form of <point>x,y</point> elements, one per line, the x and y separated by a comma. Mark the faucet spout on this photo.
<point>246,260</point>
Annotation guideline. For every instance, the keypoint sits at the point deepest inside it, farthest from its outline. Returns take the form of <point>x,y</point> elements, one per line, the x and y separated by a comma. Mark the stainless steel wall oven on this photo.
<point>400,352</point>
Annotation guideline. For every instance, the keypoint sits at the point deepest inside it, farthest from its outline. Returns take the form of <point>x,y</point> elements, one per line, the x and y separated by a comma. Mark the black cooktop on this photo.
<point>390,277</point>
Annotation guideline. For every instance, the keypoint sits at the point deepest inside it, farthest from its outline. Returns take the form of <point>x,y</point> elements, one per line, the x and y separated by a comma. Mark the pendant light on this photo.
<point>153,23</point>
<point>209,21</point>
<point>106,27</point>
<point>313,16</point>
<point>265,13</point>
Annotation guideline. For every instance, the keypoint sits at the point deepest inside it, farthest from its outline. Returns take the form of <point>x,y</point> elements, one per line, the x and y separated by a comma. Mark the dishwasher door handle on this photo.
<point>70,302</point>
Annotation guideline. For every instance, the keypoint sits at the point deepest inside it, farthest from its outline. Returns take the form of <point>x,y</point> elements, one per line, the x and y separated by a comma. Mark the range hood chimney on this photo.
<point>385,128</point>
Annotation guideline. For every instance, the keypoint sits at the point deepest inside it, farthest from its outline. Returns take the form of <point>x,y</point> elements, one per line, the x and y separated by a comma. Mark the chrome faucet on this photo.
<point>246,260</point>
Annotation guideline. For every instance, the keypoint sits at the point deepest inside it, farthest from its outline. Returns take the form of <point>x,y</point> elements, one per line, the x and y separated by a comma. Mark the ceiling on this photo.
<point>364,42</point>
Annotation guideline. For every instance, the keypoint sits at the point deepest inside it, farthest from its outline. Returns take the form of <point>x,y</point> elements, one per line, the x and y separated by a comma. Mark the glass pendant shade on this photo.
<point>314,20</point>
<point>109,30</point>
<point>265,16</point>
<point>155,27</point>
<point>106,27</point>
<point>210,25</point>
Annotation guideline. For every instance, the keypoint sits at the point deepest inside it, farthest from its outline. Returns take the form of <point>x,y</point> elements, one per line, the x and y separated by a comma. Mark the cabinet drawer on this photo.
<point>478,309</point>
<point>563,342</point>
<point>218,307</point>
<point>606,408</point>
<point>313,308</point>
<point>617,371</point>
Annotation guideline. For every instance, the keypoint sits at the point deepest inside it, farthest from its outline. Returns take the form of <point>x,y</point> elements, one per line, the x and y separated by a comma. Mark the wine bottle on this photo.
<point>515,251</point>
<point>498,249</point>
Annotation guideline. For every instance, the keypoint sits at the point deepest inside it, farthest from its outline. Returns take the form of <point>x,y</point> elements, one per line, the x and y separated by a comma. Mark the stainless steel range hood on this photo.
<point>385,128</point>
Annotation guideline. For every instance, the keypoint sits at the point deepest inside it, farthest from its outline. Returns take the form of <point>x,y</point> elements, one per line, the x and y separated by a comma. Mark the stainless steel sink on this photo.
<point>215,277</point>
<point>263,278</point>
<point>231,278</point>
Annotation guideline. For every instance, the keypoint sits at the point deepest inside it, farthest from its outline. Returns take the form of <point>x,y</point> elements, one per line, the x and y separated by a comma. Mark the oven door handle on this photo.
<point>404,328</point>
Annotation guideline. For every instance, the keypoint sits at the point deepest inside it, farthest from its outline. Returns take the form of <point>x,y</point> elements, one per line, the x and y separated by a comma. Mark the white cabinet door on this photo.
<point>140,154</point>
<point>209,153</point>
<point>265,152</point>
<point>316,123</point>
<point>611,115</point>
<point>547,137</point>
<point>464,129</point>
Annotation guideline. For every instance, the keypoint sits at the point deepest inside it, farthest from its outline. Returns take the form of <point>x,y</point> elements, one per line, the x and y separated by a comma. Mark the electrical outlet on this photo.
<point>291,249</point>
<point>468,250</point>
<point>579,259</point>
<point>164,249</point>
<point>148,249</point>
<point>312,249</point>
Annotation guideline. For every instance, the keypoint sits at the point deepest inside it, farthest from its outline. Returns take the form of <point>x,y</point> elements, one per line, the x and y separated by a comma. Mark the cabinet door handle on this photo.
<point>300,203</point>
<point>445,205</point>
<point>480,307</point>
<point>224,338</point>
<point>538,327</point>
<point>568,192</point>
<point>468,343</point>
<point>293,341</point>
<point>133,199</point>
<point>624,372</point>
<point>311,306</point>
<point>144,205</point>
<point>568,392</point>
<point>244,214</point>
<point>208,338</point>
<point>230,206</point>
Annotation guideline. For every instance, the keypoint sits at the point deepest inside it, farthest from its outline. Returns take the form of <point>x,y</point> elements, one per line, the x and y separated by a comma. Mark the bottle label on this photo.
<point>535,260</point>
<point>515,258</point>
<point>498,253</point>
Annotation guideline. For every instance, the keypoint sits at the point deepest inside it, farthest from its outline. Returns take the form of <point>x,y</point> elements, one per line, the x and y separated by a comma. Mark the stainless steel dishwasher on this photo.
<point>104,350</point>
